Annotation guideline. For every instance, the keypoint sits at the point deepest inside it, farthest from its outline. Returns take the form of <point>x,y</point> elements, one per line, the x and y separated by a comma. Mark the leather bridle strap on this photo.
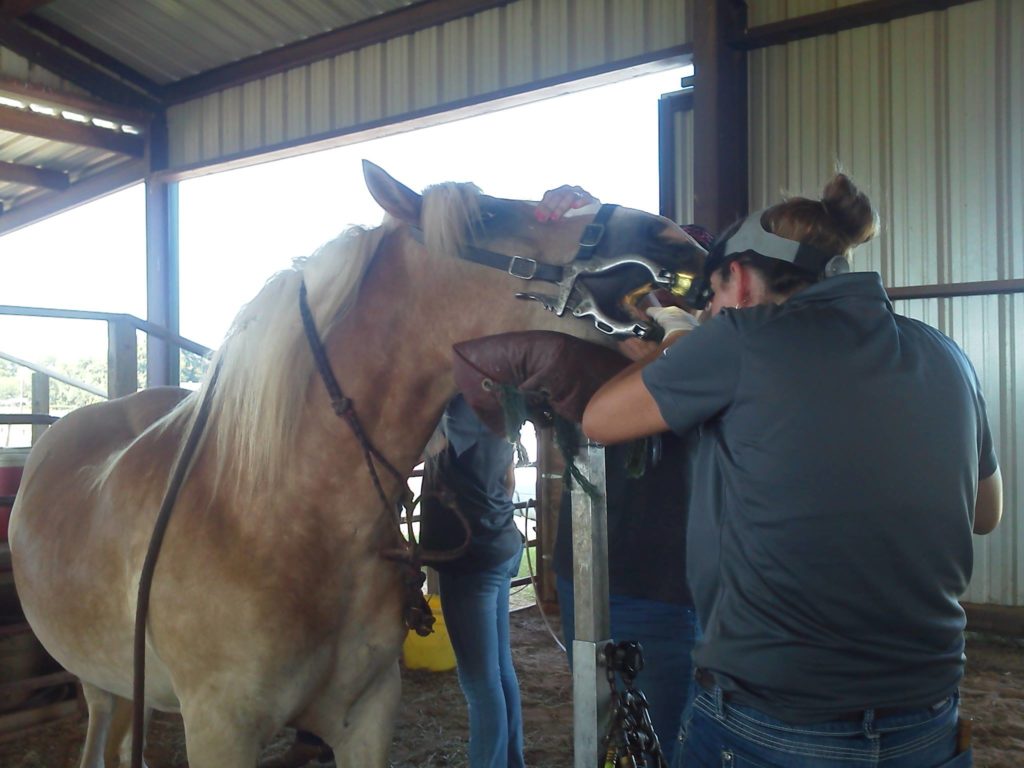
<point>417,614</point>
<point>594,231</point>
<point>526,268</point>
<point>522,267</point>
<point>342,405</point>
<point>182,466</point>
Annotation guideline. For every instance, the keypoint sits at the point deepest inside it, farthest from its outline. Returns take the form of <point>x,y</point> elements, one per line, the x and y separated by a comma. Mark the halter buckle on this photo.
<point>592,234</point>
<point>523,273</point>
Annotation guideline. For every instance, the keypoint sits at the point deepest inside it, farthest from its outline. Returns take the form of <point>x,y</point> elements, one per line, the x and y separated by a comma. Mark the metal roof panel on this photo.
<point>168,40</point>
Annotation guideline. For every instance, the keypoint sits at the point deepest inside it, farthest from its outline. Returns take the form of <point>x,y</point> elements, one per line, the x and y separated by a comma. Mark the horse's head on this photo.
<point>588,266</point>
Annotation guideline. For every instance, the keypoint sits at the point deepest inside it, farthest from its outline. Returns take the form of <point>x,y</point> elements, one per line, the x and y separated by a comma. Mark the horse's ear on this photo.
<point>393,196</point>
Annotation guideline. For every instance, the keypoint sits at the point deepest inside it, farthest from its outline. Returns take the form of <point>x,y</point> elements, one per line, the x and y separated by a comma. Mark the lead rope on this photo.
<point>417,614</point>
<point>178,475</point>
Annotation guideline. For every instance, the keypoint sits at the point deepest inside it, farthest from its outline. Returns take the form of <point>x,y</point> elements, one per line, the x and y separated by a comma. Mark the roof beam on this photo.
<point>31,176</point>
<point>29,123</point>
<point>386,26</point>
<point>37,49</point>
<point>838,20</point>
<point>74,102</point>
<point>14,8</point>
<point>92,54</point>
<point>82,191</point>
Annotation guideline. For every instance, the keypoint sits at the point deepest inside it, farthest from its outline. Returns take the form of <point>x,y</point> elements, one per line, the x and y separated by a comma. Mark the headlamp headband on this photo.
<point>752,236</point>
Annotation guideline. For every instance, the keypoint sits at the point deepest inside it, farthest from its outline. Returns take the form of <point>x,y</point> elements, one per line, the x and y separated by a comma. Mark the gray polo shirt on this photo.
<point>830,526</point>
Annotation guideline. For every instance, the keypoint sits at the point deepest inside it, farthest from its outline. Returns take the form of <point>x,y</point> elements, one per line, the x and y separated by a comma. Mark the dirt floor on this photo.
<point>432,730</point>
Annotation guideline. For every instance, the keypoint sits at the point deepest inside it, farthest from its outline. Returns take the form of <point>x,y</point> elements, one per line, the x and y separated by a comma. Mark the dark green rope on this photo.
<point>636,458</point>
<point>514,404</point>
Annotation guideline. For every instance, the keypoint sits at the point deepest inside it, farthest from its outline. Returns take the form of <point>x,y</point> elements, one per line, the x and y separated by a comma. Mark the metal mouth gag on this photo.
<point>577,298</point>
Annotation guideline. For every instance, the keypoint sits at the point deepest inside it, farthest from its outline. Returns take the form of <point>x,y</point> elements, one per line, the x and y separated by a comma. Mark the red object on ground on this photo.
<point>12,463</point>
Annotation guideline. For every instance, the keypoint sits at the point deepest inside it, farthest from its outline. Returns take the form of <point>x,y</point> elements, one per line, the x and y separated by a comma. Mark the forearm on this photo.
<point>623,410</point>
<point>988,507</point>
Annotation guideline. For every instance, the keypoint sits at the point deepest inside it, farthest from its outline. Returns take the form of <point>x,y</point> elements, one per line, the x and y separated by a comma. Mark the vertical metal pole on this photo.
<point>550,467</point>
<point>40,401</point>
<point>433,581</point>
<point>162,358</point>
<point>122,358</point>
<point>720,114</point>
<point>590,692</point>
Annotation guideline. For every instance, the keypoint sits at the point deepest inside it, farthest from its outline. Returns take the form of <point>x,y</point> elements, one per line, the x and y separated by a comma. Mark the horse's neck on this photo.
<point>392,354</point>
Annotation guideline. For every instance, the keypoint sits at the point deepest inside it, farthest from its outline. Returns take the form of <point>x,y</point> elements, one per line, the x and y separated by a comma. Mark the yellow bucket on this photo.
<point>433,652</point>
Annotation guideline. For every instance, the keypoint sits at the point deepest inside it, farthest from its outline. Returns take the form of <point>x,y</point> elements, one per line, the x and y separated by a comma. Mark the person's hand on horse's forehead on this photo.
<point>556,202</point>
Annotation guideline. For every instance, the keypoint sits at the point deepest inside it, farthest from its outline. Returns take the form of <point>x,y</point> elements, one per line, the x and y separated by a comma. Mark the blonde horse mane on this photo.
<point>265,362</point>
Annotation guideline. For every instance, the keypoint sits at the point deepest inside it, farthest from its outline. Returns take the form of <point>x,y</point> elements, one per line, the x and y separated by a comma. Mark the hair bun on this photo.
<point>850,209</point>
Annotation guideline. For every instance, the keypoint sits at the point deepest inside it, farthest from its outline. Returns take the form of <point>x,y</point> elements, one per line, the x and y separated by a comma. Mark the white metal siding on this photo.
<point>927,114</point>
<point>470,58</point>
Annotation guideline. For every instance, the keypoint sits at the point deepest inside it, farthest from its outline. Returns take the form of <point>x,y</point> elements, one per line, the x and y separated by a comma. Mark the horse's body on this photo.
<point>271,603</point>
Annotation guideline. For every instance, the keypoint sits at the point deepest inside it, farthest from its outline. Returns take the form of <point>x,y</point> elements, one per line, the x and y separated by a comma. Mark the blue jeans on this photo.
<point>736,736</point>
<point>475,607</point>
<point>666,632</point>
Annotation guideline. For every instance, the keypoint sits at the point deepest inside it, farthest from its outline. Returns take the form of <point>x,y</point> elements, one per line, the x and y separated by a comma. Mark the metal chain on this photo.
<point>631,739</point>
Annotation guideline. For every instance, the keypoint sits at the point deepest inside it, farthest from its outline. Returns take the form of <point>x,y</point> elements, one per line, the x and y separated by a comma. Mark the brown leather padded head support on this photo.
<point>554,372</point>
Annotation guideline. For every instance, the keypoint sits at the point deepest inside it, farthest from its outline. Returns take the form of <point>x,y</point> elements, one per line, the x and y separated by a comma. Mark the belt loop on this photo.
<point>719,702</point>
<point>868,723</point>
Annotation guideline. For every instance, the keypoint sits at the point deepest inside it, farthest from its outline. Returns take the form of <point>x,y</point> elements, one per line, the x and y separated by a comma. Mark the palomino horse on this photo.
<point>271,603</point>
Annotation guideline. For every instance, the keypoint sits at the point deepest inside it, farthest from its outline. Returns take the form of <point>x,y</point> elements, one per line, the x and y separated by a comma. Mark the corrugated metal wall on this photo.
<point>505,48</point>
<point>927,114</point>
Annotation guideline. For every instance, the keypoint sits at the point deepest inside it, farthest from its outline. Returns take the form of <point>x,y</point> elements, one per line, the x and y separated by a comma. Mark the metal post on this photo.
<point>550,467</point>
<point>433,581</point>
<point>590,692</point>
<point>40,402</point>
<point>162,358</point>
<point>122,358</point>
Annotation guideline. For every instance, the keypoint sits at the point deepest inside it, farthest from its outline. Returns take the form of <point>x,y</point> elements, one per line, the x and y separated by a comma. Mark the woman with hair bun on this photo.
<point>844,461</point>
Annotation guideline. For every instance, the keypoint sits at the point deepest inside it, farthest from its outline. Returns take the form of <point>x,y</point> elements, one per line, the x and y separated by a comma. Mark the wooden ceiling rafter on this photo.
<point>52,128</point>
<point>82,191</point>
<point>73,67</point>
<point>31,176</point>
<point>73,102</point>
<point>11,9</point>
<point>92,54</point>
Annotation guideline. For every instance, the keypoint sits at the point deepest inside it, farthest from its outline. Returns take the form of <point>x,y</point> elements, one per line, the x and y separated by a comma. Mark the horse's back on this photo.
<point>80,448</point>
<point>74,552</point>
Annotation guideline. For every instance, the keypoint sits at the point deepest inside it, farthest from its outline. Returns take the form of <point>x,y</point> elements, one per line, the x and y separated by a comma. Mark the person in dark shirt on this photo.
<point>649,601</point>
<point>844,460</point>
<point>648,598</point>
<point>477,469</point>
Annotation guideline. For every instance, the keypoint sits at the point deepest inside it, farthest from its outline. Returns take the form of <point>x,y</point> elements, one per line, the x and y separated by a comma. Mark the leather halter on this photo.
<point>573,295</point>
<point>530,269</point>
